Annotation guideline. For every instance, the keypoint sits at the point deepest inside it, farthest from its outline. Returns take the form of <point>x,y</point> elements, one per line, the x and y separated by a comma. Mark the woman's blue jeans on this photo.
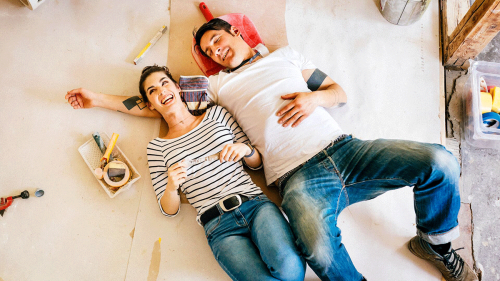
<point>255,242</point>
<point>354,170</point>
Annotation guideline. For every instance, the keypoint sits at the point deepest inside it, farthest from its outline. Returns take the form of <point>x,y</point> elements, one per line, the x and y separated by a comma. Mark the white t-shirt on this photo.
<point>252,94</point>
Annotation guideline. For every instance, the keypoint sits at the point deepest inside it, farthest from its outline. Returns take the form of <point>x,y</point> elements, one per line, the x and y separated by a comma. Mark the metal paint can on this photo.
<point>403,12</point>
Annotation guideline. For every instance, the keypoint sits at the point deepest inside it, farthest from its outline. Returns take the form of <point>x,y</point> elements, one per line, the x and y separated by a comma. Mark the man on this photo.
<point>279,100</point>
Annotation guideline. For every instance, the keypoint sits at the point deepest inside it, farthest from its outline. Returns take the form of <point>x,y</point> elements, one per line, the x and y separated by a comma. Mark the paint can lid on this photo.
<point>39,192</point>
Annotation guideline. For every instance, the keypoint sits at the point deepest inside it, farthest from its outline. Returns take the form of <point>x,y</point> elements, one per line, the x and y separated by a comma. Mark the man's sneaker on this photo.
<point>451,265</point>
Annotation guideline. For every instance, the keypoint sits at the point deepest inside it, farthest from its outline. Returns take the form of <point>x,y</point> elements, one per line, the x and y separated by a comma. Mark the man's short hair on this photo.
<point>148,70</point>
<point>213,24</point>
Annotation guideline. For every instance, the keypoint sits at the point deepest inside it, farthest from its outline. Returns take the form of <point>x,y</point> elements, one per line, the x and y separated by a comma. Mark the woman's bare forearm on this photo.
<point>133,105</point>
<point>170,202</point>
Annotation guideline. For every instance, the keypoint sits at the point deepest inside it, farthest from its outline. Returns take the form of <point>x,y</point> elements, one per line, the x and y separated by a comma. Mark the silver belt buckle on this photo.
<point>221,203</point>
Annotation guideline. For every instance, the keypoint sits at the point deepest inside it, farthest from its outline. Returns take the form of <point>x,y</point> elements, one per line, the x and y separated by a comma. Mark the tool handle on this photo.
<point>205,11</point>
<point>111,145</point>
<point>25,194</point>
<point>99,142</point>
<point>5,202</point>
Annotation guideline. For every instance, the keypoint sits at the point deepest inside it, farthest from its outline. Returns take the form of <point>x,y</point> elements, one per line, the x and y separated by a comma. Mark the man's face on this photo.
<point>162,93</point>
<point>226,49</point>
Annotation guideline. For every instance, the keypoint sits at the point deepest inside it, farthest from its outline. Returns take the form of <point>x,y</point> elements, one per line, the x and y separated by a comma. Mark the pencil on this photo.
<point>150,44</point>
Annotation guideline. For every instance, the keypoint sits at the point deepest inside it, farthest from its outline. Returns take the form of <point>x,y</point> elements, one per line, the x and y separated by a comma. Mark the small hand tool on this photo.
<point>205,11</point>
<point>101,145</point>
<point>106,158</point>
<point>212,157</point>
<point>6,202</point>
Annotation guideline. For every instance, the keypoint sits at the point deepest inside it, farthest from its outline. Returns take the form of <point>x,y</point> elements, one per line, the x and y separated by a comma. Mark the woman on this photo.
<point>247,233</point>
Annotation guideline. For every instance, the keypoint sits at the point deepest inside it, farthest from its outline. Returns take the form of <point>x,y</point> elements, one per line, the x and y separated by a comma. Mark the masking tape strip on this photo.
<point>316,79</point>
<point>133,101</point>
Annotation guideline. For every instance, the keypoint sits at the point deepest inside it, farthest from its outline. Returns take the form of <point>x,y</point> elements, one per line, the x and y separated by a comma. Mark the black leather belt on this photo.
<point>227,204</point>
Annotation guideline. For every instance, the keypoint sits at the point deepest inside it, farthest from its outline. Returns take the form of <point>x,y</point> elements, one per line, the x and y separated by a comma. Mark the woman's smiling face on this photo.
<point>161,91</point>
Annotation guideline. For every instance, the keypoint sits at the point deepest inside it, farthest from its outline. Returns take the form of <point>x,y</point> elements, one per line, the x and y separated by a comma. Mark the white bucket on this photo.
<point>403,12</point>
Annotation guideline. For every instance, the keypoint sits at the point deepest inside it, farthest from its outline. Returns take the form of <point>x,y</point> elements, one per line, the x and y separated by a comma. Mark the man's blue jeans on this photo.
<point>354,170</point>
<point>255,242</point>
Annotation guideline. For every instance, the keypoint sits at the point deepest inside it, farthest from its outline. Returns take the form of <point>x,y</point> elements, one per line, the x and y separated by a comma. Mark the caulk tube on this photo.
<point>101,145</point>
<point>99,142</point>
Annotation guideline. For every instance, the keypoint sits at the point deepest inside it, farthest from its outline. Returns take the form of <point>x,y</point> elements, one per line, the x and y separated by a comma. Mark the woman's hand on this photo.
<point>234,152</point>
<point>82,98</point>
<point>177,174</point>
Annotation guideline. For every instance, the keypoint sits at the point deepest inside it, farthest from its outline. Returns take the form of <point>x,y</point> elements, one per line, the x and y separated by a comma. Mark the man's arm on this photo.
<point>134,105</point>
<point>324,92</point>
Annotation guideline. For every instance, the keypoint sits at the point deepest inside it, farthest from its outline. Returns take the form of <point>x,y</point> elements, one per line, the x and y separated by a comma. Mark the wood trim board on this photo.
<point>476,29</point>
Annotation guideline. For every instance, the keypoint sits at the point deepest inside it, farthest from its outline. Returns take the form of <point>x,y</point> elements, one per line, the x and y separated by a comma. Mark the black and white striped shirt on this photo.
<point>207,182</point>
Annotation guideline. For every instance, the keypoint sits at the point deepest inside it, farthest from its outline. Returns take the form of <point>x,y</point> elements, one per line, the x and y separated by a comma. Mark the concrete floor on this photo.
<point>479,181</point>
<point>391,74</point>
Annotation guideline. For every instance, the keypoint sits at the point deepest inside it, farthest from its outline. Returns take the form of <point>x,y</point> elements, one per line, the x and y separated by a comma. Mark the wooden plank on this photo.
<point>443,23</point>
<point>442,88</point>
<point>475,31</point>
<point>442,104</point>
<point>455,11</point>
<point>462,62</point>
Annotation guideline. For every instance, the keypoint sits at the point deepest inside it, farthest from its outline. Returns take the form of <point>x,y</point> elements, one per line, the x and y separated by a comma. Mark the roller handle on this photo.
<point>5,202</point>
<point>111,145</point>
<point>25,195</point>
<point>205,11</point>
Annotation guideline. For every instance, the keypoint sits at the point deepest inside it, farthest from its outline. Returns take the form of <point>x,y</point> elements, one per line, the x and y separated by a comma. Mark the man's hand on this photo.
<point>177,174</point>
<point>82,98</point>
<point>234,152</point>
<point>296,111</point>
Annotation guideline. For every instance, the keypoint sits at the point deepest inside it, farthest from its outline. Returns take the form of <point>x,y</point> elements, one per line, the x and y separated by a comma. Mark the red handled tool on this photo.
<point>205,11</point>
<point>6,202</point>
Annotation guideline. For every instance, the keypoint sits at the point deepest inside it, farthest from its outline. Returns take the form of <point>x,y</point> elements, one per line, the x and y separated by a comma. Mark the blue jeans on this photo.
<point>255,242</point>
<point>354,170</point>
